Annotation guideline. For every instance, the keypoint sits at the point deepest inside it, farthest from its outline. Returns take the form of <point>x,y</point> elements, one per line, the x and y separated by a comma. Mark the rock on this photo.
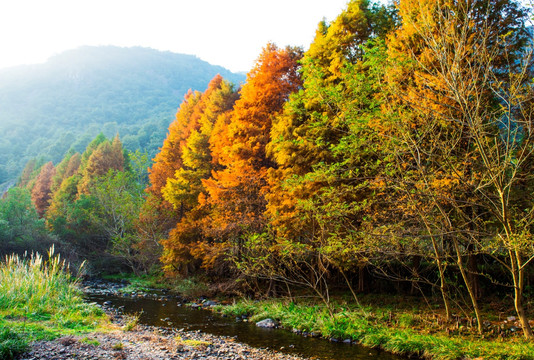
<point>107,303</point>
<point>347,341</point>
<point>511,318</point>
<point>209,303</point>
<point>267,323</point>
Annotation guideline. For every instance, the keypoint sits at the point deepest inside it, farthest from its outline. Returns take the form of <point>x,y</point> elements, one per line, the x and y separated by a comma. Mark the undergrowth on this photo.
<point>399,333</point>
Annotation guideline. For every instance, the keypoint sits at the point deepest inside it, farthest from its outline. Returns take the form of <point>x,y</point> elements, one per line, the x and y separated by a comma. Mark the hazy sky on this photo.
<point>229,33</point>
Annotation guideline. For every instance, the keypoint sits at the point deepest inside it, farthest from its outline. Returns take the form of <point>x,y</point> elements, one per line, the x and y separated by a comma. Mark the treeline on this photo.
<point>87,205</point>
<point>396,154</point>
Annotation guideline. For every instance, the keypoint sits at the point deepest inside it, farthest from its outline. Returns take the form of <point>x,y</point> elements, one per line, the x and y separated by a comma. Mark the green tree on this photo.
<point>21,229</point>
<point>323,194</point>
<point>117,200</point>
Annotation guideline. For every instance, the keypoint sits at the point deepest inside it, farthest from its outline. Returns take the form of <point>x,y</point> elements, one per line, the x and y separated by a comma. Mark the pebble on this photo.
<point>149,343</point>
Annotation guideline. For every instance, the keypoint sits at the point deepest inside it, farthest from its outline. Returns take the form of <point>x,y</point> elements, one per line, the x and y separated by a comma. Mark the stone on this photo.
<point>267,323</point>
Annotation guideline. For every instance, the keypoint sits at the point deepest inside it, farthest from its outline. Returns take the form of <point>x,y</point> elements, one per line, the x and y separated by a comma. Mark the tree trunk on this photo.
<point>415,274</point>
<point>442,283</point>
<point>361,278</point>
<point>518,275</point>
<point>468,284</point>
<point>472,270</point>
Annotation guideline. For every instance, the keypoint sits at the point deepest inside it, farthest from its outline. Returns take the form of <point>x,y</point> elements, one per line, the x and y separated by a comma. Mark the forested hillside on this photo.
<point>48,108</point>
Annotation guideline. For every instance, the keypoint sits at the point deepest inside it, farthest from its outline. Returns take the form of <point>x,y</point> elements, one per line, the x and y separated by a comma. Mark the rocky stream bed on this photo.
<point>171,327</point>
<point>149,343</point>
<point>144,342</point>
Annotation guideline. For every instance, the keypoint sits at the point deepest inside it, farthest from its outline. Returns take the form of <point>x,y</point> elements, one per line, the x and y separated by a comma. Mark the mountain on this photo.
<point>47,109</point>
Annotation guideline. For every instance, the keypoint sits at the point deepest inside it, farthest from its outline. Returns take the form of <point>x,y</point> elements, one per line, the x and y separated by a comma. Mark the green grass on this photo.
<point>90,341</point>
<point>399,332</point>
<point>137,283</point>
<point>11,343</point>
<point>191,343</point>
<point>192,287</point>
<point>39,299</point>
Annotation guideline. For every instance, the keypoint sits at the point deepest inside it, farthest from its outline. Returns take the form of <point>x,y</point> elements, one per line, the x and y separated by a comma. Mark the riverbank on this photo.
<point>41,301</point>
<point>147,343</point>
<point>405,325</point>
<point>393,329</point>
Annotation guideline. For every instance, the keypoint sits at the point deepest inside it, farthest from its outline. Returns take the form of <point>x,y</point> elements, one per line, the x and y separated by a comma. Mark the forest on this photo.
<point>394,156</point>
<point>65,102</point>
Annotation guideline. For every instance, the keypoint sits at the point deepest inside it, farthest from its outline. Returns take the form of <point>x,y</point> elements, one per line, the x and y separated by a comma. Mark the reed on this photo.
<point>35,287</point>
<point>40,299</point>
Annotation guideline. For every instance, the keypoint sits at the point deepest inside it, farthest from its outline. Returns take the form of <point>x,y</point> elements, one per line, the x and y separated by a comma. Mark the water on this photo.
<point>167,313</point>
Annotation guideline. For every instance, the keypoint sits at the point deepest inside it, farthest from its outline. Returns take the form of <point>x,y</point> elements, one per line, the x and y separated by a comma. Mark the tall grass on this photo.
<point>36,286</point>
<point>40,299</point>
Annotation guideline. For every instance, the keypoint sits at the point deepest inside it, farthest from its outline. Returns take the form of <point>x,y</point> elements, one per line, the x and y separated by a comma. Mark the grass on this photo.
<point>192,287</point>
<point>11,343</point>
<point>137,283</point>
<point>131,321</point>
<point>118,346</point>
<point>403,331</point>
<point>39,300</point>
<point>90,341</point>
<point>191,343</point>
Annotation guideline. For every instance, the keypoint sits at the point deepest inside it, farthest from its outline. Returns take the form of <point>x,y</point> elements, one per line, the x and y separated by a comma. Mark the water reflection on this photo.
<point>168,313</point>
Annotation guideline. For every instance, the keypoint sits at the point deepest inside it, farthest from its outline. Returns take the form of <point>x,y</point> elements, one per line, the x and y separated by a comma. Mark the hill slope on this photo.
<point>48,108</point>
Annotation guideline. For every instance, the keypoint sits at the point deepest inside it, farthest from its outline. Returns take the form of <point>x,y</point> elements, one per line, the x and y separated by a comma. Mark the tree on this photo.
<point>107,156</point>
<point>236,193</point>
<point>184,190</point>
<point>184,187</point>
<point>21,229</point>
<point>168,160</point>
<point>316,118</point>
<point>41,192</point>
<point>66,168</point>
<point>464,87</point>
<point>116,204</point>
<point>327,151</point>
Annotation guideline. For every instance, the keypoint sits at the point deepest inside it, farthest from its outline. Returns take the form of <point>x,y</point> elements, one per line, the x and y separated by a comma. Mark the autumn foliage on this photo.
<point>395,153</point>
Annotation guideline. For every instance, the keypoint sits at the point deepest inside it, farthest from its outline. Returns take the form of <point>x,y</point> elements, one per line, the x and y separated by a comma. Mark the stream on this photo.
<point>167,312</point>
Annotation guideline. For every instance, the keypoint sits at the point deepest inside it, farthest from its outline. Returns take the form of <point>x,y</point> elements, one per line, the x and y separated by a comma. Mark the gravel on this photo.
<point>147,343</point>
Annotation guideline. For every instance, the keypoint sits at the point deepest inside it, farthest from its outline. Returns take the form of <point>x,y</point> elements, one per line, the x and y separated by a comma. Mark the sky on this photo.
<point>230,33</point>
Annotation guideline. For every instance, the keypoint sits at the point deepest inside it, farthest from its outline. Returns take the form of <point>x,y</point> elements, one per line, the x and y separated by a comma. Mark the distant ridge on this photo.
<point>46,109</point>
